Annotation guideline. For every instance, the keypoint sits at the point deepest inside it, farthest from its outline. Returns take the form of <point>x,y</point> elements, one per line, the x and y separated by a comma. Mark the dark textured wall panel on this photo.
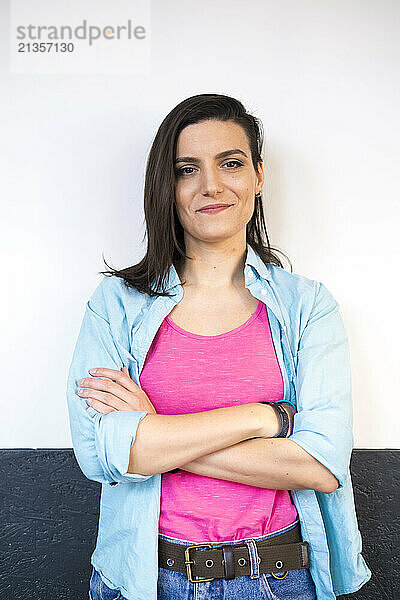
<point>376,475</point>
<point>49,513</point>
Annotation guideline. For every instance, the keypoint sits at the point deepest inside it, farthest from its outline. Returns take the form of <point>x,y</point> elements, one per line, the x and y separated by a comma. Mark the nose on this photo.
<point>211,182</point>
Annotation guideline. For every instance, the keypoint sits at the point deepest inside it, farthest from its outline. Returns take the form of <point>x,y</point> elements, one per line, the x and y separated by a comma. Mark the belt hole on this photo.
<point>209,560</point>
<point>279,564</point>
<point>170,562</point>
<point>241,561</point>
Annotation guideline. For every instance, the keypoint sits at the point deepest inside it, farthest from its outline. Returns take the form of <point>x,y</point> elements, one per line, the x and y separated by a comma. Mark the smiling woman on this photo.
<point>210,182</point>
<point>207,486</point>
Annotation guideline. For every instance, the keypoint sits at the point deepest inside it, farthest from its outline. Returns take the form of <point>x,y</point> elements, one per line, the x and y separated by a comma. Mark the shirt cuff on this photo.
<point>114,435</point>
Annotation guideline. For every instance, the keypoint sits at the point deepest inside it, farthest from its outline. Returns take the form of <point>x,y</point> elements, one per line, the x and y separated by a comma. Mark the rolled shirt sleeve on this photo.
<point>101,442</point>
<point>323,423</point>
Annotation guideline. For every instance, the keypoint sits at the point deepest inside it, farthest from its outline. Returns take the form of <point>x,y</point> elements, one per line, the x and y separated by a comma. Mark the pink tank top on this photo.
<point>185,373</point>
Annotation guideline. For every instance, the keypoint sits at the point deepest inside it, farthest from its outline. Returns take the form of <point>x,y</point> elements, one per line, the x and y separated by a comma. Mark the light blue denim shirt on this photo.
<point>311,344</point>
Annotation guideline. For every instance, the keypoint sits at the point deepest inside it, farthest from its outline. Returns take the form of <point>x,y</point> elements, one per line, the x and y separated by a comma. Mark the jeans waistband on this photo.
<point>232,542</point>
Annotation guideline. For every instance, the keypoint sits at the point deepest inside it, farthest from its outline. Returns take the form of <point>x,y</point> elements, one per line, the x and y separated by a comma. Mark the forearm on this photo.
<point>164,442</point>
<point>275,463</point>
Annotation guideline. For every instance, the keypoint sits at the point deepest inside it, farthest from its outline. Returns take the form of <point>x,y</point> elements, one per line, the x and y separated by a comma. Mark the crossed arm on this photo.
<point>277,463</point>
<point>108,416</point>
<point>228,450</point>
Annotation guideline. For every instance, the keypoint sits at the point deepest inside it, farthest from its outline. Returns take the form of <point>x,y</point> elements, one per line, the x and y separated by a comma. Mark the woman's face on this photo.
<point>204,177</point>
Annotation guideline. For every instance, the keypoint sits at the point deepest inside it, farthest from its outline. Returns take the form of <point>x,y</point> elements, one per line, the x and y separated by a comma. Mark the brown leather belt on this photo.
<point>205,562</point>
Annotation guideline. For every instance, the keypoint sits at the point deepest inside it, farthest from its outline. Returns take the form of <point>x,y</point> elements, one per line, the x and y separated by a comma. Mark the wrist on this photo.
<point>284,416</point>
<point>269,424</point>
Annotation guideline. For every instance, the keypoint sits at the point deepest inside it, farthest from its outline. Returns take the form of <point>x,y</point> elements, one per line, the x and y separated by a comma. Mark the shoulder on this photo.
<point>301,291</point>
<point>112,299</point>
<point>293,282</point>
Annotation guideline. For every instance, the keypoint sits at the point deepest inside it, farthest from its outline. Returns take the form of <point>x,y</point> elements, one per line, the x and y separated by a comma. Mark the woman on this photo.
<point>204,351</point>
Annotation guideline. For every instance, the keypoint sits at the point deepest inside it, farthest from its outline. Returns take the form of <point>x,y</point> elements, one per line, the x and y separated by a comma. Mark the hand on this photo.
<point>121,393</point>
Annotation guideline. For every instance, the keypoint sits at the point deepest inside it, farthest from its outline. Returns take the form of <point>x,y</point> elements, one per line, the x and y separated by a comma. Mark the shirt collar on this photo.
<point>252,259</point>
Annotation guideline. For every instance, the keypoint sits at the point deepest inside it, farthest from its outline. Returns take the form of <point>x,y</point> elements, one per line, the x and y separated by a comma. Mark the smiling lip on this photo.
<point>213,208</point>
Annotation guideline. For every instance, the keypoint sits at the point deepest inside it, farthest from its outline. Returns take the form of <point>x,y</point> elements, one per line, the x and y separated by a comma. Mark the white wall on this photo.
<point>323,77</point>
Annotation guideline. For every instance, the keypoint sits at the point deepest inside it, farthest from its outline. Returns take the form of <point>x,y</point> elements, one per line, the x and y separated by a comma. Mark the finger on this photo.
<point>104,397</point>
<point>118,376</point>
<point>100,406</point>
<point>106,385</point>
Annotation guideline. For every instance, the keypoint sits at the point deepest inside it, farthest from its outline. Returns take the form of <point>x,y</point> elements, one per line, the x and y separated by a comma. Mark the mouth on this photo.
<point>214,208</point>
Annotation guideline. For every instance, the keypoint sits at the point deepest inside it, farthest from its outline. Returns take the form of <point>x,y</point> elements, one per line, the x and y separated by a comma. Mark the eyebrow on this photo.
<point>193,159</point>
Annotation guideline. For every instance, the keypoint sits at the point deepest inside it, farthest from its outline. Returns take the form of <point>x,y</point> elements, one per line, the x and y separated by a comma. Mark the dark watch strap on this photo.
<point>284,418</point>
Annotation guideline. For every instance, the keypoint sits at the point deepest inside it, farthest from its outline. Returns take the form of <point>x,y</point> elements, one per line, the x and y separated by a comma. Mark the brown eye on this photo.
<point>184,170</point>
<point>181,171</point>
<point>235,162</point>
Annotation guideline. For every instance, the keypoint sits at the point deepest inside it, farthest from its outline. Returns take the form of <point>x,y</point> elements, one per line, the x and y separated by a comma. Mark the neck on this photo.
<point>214,265</point>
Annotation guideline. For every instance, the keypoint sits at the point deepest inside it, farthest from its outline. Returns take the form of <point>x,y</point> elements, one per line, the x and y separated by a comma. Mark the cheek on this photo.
<point>246,205</point>
<point>246,197</point>
<point>182,208</point>
<point>183,212</point>
<point>244,191</point>
<point>183,195</point>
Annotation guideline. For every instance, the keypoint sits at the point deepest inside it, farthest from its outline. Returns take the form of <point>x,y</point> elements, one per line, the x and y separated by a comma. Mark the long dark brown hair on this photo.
<point>164,231</point>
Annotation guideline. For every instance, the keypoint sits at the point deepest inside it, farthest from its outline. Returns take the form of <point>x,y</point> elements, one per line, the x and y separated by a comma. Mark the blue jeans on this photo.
<point>172,585</point>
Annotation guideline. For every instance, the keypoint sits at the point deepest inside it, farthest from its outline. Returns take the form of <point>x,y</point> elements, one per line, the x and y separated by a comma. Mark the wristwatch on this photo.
<point>284,418</point>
